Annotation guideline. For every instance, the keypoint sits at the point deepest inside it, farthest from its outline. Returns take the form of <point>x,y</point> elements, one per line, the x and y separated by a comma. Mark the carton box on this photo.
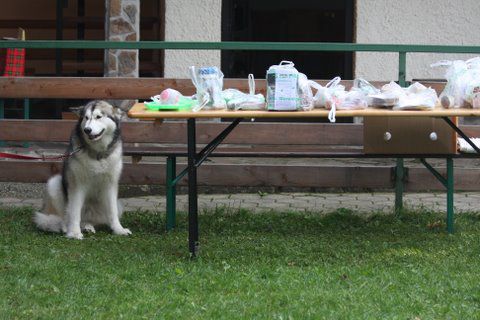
<point>408,135</point>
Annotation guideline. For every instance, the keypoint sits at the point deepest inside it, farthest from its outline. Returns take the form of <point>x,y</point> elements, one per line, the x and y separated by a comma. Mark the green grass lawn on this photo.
<point>262,266</point>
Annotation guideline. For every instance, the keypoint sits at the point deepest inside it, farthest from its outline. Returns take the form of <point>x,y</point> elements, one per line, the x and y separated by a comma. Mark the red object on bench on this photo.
<point>12,62</point>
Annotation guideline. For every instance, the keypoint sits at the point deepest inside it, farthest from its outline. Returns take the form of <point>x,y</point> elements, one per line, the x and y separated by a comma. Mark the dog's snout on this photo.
<point>87,130</point>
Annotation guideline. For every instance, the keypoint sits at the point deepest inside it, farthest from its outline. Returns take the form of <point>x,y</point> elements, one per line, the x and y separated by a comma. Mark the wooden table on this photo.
<point>139,111</point>
<point>195,159</point>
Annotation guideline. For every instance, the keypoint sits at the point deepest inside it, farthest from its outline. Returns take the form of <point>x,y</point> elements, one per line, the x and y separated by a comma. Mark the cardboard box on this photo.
<point>408,135</point>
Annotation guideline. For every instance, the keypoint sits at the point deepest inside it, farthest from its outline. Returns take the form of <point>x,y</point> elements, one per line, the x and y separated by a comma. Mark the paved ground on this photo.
<point>317,202</point>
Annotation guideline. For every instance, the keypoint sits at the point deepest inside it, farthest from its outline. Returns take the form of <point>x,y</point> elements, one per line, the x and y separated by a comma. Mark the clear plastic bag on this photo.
<point>416,97</point>
<point>366,87</point>
<point>305,92</point>
<point>462,79</point>
<point>347,100</point>
<point>376,98</point>
<point>325,92</point>
<point>237,100</point>
<point>386,97</point>
<point>354,99</point>
<point>209,84</point>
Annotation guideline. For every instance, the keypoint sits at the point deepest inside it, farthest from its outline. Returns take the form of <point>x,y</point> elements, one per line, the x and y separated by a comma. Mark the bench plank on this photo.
<point>301,176</point>
<point>175,132</point>
<point>113,88</point>
<point>222,174</point>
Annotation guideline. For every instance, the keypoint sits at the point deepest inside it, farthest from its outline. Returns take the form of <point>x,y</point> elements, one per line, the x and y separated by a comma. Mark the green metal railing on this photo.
<point>401,49</point>
<point>235,45</point>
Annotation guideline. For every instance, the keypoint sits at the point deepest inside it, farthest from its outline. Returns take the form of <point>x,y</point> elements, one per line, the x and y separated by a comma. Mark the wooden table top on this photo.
<point>140,111</point>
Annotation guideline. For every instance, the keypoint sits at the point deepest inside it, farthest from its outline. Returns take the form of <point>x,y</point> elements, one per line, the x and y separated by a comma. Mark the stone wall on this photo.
<point>122,23</point>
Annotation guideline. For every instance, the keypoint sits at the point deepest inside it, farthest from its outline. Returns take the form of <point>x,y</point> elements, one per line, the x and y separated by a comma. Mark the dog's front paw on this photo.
<point>75,235</point>
<point>122,232</point>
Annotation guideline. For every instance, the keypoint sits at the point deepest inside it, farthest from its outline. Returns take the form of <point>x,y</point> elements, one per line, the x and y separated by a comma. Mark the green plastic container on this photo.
<point>184,104</point>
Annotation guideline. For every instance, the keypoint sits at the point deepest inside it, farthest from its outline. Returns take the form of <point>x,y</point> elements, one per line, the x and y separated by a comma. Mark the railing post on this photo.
<point>402,68</point>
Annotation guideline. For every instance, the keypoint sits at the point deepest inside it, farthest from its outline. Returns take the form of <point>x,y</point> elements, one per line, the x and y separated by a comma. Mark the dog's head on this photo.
<point>99,119</point>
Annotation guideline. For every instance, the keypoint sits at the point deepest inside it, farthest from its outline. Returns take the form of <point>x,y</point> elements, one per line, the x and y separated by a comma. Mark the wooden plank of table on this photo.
<point>140,111</point>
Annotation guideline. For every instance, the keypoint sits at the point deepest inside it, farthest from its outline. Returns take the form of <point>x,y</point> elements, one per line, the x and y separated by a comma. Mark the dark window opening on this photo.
<point>287,21</point>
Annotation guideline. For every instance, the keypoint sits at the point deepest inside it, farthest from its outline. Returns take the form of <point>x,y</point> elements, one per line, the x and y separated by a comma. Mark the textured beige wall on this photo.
<point>442,22</point>
<point>187,20</point>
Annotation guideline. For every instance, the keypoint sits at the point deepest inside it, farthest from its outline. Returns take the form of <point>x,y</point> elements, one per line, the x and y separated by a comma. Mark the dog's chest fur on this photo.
<point>110,166</point>
<point>96,172</point>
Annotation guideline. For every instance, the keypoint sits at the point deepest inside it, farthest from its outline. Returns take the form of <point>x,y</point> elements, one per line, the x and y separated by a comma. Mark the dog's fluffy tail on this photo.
<point>48,222</point>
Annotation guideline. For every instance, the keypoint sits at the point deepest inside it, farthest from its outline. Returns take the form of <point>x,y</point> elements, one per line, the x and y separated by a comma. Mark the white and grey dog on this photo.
<point>85,194</point>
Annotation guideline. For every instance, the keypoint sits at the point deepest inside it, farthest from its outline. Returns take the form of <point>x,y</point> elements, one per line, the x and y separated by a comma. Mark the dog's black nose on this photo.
<point>87,130</point>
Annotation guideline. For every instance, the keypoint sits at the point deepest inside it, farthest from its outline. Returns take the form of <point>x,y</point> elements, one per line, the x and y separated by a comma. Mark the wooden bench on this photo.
<point>167,140</point>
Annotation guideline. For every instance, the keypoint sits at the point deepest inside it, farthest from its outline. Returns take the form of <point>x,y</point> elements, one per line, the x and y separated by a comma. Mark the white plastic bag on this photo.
<point>209,84</point>
<point>417,97</point>
<point>388,96</point>
<point>347,100</point>
<point>462,79</point>
<point>325,92</point>
<point>305,92</point>
<point>354,99</point>
<point>237,100</point>
<point>377,98</point>
<point>366,87</point>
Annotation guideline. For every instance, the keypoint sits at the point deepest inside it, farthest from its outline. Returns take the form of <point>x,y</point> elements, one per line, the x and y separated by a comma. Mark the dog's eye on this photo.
<point>87,117</point>
<point>98,117</point>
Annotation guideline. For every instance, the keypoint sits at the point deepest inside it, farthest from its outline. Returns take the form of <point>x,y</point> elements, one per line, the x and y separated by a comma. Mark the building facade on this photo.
<point>441,22</point>
<point>436,22</point>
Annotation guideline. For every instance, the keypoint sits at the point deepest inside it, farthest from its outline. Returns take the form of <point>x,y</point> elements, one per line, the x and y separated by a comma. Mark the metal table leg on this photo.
<point>171,190</point>
<point>448,184</point>
<point>450,191</point>
<point>192,190</point>
<point>194,161</point>
<point>399,181</point>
